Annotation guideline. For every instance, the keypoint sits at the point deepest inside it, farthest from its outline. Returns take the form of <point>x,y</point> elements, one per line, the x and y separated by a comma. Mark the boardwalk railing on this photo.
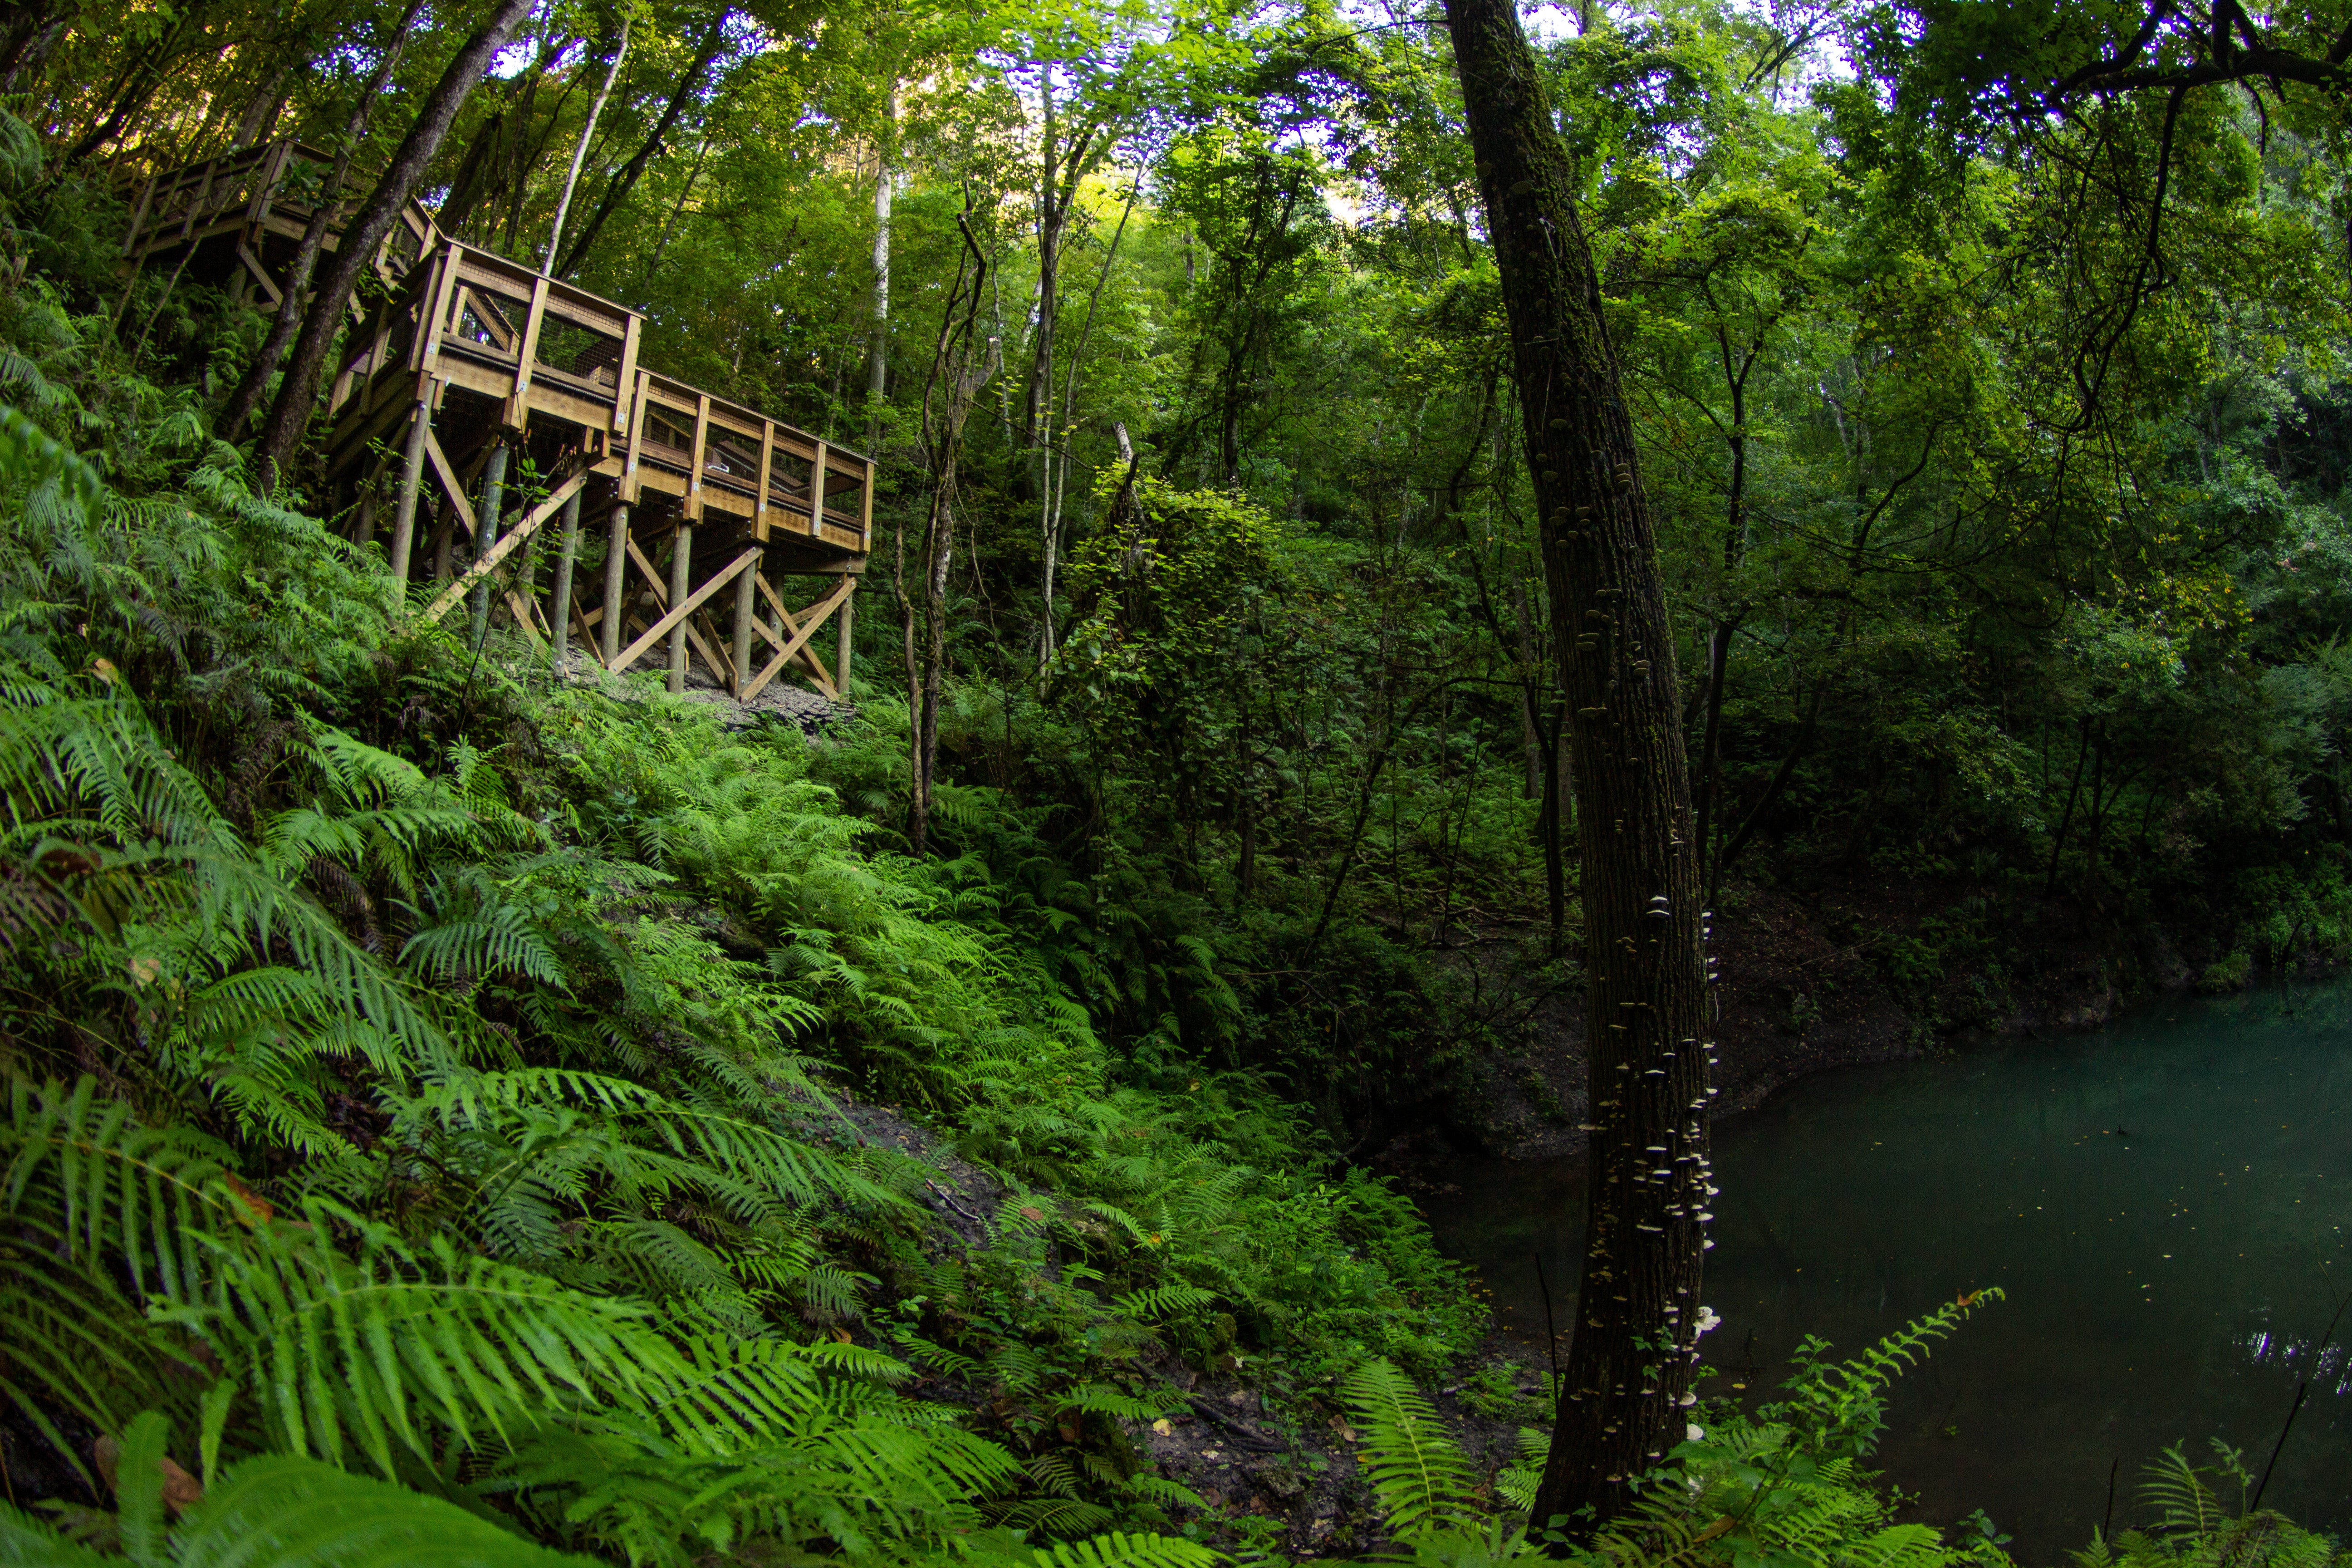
<point>467,360</point>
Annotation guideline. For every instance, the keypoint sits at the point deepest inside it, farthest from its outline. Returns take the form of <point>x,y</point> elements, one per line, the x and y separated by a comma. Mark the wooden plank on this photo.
<point>196,203</point>
<point>677,612</point>
<point>807,655</point>
<point>767,470</point>
<point>629,485</point>
<point>518,401</point>
<point>139,215</point>
<point>703,633</point>
<point>548,397</point>
<point>694,468</point>
<point>624,379</point>
<point>792,622</point>
<point>587,627</point>
<point>818,612</point>
<point>505,546</point>
<point>490,380</point>
<point>865,508</point>
<point>816,491</point>
<point>526,618</point>
<point>661,588</point>
<point>450,486</point>
<point>444,289</point>
<point>253,265</point>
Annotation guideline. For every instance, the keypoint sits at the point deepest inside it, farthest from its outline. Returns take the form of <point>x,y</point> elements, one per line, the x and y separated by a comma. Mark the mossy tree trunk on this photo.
<point>1637,1321</point>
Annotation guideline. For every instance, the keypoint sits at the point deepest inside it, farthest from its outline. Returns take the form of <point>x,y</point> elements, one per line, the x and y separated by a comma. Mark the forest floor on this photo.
<point>1271,1476</point>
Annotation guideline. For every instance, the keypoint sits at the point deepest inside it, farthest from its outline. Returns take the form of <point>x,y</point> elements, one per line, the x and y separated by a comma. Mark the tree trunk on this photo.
<point>877,340</point>
<point>26,24</point>
<point>263,107</point>
<point>140,85</point>
<point>522,152</point>
<point>961,365</point>
<point>2066,818</point>
<point>580,151</point>
<point>1034,433</point>
<point>1058,457</point>
<point>355,252</point>
<point>714,44</point>
<point>1533,749</point>
<point>24,68</point>
<point>1629,1364</point>
<point>1710,749</point>
<point>248,396</point>
<point>1558,788</point>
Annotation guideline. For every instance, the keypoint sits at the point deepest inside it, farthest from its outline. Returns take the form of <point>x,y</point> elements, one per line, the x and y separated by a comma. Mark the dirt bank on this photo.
<point>1864,969</point>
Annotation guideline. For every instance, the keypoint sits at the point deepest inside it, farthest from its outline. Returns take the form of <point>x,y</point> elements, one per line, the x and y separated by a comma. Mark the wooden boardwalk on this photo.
<point>479,400</point>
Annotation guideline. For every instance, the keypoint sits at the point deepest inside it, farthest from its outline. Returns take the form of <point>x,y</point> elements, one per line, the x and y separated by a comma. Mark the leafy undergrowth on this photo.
<point>418,1069</point>
<point>1784,1486</point>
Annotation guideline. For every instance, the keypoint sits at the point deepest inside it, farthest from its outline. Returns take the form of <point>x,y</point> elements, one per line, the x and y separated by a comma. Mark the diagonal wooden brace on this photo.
<point>505,546</point>
<point>450,484</point>
<point>807,655</point>
<point>817,613</point>
<point>687,606</point>
<point>644,563</point>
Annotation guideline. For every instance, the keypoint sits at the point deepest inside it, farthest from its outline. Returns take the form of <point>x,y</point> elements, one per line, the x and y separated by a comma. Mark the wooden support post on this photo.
<point>412,482</point>
<point>559,617</point>
<point>767,472</point>
<point>746,601</point>
<point>486,533</point>
<point>681,562</point>
<point>841,644</point>
<point>518,401</point>
<point>692,504</point>
<point>617,567</point>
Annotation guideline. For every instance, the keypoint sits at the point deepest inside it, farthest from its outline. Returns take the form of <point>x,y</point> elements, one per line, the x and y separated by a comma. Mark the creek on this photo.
<point>2165,1205</point>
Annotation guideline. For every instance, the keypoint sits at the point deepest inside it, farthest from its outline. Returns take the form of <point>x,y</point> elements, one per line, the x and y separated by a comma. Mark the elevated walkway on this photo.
<point>477,400</point>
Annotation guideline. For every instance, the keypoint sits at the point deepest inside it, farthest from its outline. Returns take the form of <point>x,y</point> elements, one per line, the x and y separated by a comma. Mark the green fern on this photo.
<point>277,1512</point>
<point>1840,1406</point>
<point>1416,1469</point>
<point>1118,1549</point>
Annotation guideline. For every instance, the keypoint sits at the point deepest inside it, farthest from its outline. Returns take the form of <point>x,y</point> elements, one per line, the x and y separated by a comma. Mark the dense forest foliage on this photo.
<point>463,1111</point>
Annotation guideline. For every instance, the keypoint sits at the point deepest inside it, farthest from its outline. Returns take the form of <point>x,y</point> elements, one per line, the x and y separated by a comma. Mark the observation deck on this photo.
<point>477,399</point>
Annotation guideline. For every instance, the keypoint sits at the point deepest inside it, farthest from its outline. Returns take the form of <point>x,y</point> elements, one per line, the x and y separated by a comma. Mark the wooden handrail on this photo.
<point>729,445</point>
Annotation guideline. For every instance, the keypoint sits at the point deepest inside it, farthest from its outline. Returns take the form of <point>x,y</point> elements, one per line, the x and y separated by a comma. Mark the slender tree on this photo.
<point>962,363</point>
<point>241,403</point>
<point>580,150</point>
<point>714,44</point>
<point>877,342</point>
<point>1638,1315</point>
<point>290,415</point>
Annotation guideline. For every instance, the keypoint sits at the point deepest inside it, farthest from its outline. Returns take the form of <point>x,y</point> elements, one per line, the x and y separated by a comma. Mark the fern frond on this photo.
<point>1165,1301</point>
<point>1118,1549</point>
<point>1416,1469</point>
<point>279,1510</point>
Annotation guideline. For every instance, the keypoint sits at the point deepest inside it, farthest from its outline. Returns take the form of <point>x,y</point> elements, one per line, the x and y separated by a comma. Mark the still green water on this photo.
<point>2167,1204</point>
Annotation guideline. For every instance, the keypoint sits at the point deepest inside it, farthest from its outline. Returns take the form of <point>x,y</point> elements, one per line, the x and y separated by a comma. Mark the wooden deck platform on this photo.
<point>479,400</point>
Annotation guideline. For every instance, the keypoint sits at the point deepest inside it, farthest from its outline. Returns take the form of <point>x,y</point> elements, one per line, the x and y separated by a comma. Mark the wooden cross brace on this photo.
<point>817,613</point>
<point>691,603</point>
<point>505,547</point>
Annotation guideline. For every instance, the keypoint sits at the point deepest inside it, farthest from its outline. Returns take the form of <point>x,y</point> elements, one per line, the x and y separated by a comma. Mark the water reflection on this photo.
<point>2165,1205</point>
<point>2332,1371</point>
